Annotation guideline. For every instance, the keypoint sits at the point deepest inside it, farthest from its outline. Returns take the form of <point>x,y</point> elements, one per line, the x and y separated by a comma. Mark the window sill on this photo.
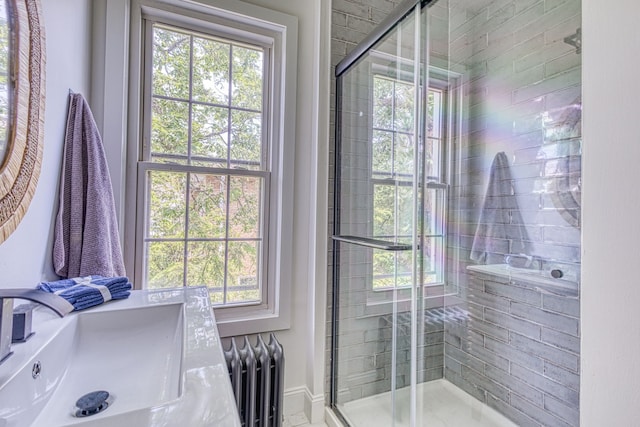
<point>231,326</point>
<point>434,297</point>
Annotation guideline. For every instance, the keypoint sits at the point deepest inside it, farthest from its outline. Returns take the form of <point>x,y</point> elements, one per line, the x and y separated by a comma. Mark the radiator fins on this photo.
<point>257,379</point>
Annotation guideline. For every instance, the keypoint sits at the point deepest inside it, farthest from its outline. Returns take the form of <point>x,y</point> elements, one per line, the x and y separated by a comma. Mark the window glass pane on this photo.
<point>383,211</point>
<point>391,269</point>
<point>207,206</point>
<point>433,159</point>
<point>210,136</point>
<point>435,114</point>
<point>216,295</point>
<point>170,63</point>
<point>403,164</point>
<point>382,152</point>
<point>405,210</point>
<point>206,264</point>
<point>169,127</point>
<point>165,264</point>
<point>382,103</point>
<point>245,205</point>
<point>246,139</point>
<point>432,259</point>
<point>434,209</point>
<point>403,107</point>
<point>392,211</point>
<point>243,277</point>
<point>247,78</point>
<point>211,71</point>
<point>404,267</point>
<point>166,204</point>
<point>383,267</point>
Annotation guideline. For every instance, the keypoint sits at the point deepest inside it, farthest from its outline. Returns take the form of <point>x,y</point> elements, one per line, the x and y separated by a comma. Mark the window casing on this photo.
<point>228,227</point>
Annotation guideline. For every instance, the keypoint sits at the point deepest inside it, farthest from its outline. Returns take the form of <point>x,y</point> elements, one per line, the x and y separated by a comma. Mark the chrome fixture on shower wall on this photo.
<point>575,40</point>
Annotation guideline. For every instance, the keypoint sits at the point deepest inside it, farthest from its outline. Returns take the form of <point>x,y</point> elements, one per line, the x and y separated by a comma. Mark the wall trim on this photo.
<point>300,399</point>
<point>330,418</point>
<point>294,400</point>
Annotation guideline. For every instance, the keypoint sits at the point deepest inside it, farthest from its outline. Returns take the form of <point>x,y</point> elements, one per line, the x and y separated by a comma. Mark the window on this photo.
<point>205,169</point>
<point>392,180</point>
<point>214,167</point>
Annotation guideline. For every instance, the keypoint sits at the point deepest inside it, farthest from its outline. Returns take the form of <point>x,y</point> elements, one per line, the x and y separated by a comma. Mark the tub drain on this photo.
<point>92,403</point>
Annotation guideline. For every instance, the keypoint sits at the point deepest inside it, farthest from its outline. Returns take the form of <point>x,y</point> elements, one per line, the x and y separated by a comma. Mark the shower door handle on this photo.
<point>373,243</point>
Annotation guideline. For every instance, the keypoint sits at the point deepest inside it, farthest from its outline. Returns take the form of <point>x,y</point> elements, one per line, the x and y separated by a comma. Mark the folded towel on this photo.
<point>85,292</point>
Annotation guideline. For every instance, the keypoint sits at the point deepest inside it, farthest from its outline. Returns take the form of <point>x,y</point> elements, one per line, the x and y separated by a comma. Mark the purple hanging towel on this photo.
<point>86,238</point>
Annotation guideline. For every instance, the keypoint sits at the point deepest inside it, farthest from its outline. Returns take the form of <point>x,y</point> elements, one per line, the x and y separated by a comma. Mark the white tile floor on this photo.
<point>443,405</point>
<point>299,420</point>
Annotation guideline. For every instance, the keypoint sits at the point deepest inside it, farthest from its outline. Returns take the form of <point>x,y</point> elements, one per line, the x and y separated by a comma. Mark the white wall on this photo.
<point>610,381</point>
<point>304,342</point>
<point>25,257</point>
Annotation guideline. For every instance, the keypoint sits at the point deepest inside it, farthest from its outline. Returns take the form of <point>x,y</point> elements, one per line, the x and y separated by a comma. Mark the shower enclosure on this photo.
<point>456,245</point>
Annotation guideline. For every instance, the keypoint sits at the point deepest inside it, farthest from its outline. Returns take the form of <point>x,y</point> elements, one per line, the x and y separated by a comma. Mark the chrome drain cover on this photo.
<point>92,403</point>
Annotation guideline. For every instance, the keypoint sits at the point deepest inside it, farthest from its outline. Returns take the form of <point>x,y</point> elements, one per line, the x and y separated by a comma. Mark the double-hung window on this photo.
<point>213,166</point>
<point>392,169</point>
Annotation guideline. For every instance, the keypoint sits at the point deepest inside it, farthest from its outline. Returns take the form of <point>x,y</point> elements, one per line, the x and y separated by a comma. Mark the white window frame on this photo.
<point>435,182</point>
<point>240,21</point>
<point>444,82</point>
<point>264,173</point>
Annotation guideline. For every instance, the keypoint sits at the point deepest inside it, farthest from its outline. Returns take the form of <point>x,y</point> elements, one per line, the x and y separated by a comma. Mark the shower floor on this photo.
<point>443,405</point>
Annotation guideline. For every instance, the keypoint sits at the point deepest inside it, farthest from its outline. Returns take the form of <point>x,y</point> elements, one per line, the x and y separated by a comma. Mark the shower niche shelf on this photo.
<point>536,279</point>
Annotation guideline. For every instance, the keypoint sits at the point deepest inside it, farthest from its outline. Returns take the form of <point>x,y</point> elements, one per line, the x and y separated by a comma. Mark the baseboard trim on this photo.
<point>300,399</point>
<point>330,418</point>
<point>294,400</point>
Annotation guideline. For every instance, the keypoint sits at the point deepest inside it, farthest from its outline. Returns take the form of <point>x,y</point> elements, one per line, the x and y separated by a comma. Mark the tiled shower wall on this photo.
<point>518,347</point>
<point>521,87</point>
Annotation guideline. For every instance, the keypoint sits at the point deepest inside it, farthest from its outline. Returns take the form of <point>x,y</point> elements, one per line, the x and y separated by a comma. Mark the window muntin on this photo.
<point>204,171</point>
<point>391,176</point>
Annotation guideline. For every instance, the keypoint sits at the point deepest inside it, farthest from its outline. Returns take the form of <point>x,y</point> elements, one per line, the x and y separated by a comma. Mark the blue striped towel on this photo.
<point>85,292</point>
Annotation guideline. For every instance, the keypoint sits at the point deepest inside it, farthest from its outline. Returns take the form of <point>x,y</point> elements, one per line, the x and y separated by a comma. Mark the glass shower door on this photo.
<point>379,235</point>
<point>438,274</point>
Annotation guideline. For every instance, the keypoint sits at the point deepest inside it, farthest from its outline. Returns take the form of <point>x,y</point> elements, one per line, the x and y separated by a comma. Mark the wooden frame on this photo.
<point>20,169</point>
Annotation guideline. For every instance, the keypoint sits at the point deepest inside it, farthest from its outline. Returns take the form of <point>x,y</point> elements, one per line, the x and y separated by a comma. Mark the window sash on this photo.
<point>143,191</point>
<point>393,178</point>
<point>149,161</point>
<point>148,24</point>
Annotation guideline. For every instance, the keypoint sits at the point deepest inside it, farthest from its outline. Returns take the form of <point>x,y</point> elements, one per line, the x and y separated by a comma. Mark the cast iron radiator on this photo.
<point>257,379</point>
